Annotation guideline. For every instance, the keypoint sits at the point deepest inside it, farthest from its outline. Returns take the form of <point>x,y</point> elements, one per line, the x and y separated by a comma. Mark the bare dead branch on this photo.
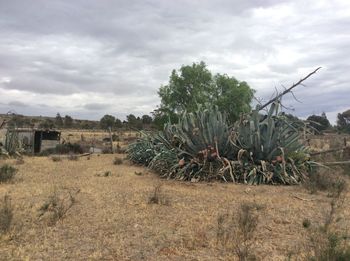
<point>288,90</point>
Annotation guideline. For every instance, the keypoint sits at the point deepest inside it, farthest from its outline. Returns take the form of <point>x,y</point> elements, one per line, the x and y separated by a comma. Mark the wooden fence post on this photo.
<point>111,138</point>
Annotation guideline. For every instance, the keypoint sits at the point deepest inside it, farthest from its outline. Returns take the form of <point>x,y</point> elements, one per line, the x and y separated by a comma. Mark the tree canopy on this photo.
<point>320,123</point>
<point>107,121</point>
<point>146,119</point>
<point>194,85</point>
<point>68,121</point>
<point>58,120</point>
<point>343,121</point>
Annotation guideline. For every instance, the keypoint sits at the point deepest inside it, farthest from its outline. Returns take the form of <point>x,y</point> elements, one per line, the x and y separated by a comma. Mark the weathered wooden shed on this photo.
<point>37,140</point>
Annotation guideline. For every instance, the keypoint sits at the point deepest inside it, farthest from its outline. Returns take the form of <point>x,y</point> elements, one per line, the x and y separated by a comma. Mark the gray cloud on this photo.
<point>85,56</point>
<point>96,106</point>
<point>17,104</point>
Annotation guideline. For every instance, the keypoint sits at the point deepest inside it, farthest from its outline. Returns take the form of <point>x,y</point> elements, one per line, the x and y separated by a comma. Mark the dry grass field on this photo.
<point>106,214</point>
<point>99,139</point>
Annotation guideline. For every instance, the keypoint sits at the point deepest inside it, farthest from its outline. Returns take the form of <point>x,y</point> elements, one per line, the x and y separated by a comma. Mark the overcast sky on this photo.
<point>87,58</point>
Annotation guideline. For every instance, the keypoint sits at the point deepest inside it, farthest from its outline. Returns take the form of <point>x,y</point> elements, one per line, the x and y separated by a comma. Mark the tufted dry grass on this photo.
<point>111,218</point>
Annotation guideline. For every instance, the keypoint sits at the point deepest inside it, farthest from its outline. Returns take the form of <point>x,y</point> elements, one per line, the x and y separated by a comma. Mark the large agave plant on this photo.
<point>153,150</point>
<point>202,143</point>
<point>270,151</point>
<point>194,148</point>
<point>142,151</point>
<point>165,160</point>
<point>12,145</point>
<point>201,146</point>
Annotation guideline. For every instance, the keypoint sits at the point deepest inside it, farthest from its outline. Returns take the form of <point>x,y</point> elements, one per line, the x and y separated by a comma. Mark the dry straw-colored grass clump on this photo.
<point>111,217</point>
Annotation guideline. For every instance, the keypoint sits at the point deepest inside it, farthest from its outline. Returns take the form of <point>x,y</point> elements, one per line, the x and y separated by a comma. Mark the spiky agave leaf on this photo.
<point>165,161</point>
<point>143,150</point>
<point>201,140</point>
<point>260,149</point>
<point>271,143</point>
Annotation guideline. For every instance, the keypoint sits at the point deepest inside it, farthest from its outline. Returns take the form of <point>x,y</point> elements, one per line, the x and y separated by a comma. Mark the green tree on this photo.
<point>133,122</point>
<point>162,116</point>
<point>231,96</point>
<point>58,120</point>
<point>195,85</point>
<point>131,119</point>
<point>47,124</point>
<point>107,121</point>
<point>188,87</point>
<point>118,123</point>
<point>68,121</point>
<point>146,119</point>
<point>320,123</point>
<point>343,121</point>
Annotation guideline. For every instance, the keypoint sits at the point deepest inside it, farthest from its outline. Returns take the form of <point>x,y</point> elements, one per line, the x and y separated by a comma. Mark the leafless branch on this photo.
<point>289,89</point>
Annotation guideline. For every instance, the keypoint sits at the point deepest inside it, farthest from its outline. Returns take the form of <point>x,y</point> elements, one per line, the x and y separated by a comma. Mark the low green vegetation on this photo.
<point>6,214</point>
<point>7,173</point>
<point>66,148</point>
<point>258,149</point>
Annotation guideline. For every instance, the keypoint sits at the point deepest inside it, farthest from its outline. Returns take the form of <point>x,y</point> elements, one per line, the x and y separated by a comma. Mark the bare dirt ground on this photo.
<point>111,218</point>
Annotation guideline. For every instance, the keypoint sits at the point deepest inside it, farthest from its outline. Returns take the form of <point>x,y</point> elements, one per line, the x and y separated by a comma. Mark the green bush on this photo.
<point>323,180</point>
<point>115,137</point>
<point>6,214</point>
<point>67,148</point>
<point>306,223</point>
<point>7,173</point>
<point>117,161</point>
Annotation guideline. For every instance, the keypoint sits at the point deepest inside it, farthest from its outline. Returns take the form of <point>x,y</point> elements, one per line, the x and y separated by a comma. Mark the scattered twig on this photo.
<point>304,199</point>
<point>337,163</point>
<point>85,154</point>
<point>326,151</point>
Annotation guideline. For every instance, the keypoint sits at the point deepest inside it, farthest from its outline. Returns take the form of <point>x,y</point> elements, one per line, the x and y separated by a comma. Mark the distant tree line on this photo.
<point>189,88</point>
<point>67,122</point>
<point>21,121</point>
<point>132,122</point>
<point>320,123</point>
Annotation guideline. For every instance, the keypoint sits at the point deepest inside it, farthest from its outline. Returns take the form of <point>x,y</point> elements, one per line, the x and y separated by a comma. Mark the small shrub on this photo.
<point>73,157</point>
<point>56,207</point>
<point>197,237</point>
<point>338,188</point>
<point>327,245</point>
<point>7,173</point>
<point>65,148</point>
<point>56,158</point>
<point>236,231</point>
<point>107,174</point>
<point>106,150</point>
<point>46,152</point>
<point>115,137</point>
<point>20,161</point>
<point>118,161</point>
<point>325,181</point>
<point>306,223</point>
<point>120,150</point>
<point>6,214</point>
<point>104,174</point>
<point>158,197</point>
<point>69,148</point>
